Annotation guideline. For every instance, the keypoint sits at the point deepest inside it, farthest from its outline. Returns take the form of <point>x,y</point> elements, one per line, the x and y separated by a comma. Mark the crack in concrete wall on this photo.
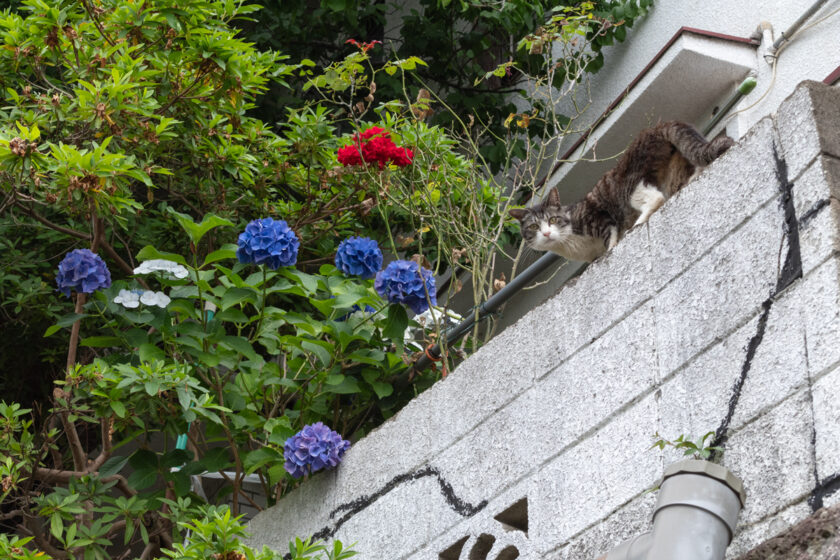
<point>790,271</point>
<point>824,489</point>
<point>812,212</point>
<point>458,505</point>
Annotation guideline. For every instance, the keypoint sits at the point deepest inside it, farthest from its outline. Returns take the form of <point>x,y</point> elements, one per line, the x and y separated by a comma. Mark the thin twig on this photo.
<point>98,25</point>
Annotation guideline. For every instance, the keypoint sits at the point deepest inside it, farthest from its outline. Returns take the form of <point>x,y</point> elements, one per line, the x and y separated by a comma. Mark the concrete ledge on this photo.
<point>807,123</point>
<point>722,315</point>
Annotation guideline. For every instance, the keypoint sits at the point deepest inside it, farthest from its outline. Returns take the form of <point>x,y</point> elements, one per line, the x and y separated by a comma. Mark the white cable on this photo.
<point>775,57</point>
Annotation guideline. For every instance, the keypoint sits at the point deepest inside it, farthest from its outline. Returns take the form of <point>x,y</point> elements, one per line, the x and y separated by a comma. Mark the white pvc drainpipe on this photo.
<point>695,515</point>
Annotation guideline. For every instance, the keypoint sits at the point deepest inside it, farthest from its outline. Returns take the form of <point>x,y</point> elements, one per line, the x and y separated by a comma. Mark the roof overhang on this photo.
<point>691,75</point>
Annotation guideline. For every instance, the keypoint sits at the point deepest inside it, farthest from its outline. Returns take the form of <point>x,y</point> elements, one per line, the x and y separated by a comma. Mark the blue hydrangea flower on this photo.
<point>359,256</point>
<point>313,448</point>
<point>82,270</point>
<point>406,282</point>
<point>270,242</point>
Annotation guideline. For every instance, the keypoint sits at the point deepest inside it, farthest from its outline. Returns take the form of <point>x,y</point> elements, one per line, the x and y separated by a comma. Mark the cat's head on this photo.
<point>546,225</point>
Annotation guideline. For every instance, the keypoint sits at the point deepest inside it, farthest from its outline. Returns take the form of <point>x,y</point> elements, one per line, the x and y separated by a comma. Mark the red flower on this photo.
<point>349,155</point>
<point>376,147</point>
<point>364,47</point>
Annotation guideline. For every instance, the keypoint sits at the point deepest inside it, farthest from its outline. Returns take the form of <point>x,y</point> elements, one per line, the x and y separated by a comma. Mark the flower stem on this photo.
<point>262,306</point>
<point>384,213</point>
<point>74,333</point>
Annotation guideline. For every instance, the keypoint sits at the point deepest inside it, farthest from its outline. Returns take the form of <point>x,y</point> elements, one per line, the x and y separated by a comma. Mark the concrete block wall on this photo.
<point>722,314</point>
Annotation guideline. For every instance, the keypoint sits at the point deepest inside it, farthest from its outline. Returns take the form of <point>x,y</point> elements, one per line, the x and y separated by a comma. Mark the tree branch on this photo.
<point>172,101</point>
<point>56,475</point>
<point>107,425</point>
<point>82,235</point>
<point>35,530</point>
<point>37,217</point>
<point>96,22</point>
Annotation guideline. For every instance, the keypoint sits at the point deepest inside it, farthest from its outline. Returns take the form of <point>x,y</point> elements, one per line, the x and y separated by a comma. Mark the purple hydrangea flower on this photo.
<point>82,270</point>
<point>359,256</point>
<point>313,448</point>
<point>406,282</point>
<point>270,242</point>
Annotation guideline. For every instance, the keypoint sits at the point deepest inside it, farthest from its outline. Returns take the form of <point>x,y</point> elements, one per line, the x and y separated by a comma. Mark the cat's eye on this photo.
<point>554,221</point>
<point>534,227</point>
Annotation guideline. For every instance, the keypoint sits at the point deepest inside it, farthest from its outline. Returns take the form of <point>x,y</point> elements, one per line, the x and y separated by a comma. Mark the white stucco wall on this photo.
<point>722,313</point>
<point>812,55</point>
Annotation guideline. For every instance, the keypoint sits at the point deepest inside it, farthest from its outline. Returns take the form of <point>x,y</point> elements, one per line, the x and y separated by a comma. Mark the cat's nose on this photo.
<point>546,234</point>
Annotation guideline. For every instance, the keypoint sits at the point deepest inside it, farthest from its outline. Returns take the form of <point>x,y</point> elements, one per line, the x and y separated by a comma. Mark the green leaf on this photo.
<point>197,231</point>
<point>382,389</point>
<point>396,324</point>
<point>148,253</point>
<point>112,466</point>
<point>346,387</point>
<point>307,281</point>
<point>56,525</point>
<point>65,321</point>
<point>280,429</point>
<point>145,465</point>
<point>226,252</point>
<point>101,341</point>
<point>206,358</point>
<point>150,353</point>
<point>319,348</point>
<point>152,388</point>
<point>259,457</point>
<point>175,458</point>
<point>334,379</point>
<point>620,33</point>
<point>183,397</point>
<point>232,315</point>
<point>240,344</point>
<point>181,482</point>
<point>118,408</point>
<point>235,296</point>
<point>143,459</point>
<point>215,459</point>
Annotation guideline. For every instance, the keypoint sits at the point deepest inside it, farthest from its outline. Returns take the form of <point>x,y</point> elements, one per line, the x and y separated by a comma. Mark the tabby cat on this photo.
<point>658,163</point>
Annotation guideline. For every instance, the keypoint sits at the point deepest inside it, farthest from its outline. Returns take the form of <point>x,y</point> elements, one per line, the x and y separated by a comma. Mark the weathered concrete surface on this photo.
<point>722,315</point>
<point>815,538</point>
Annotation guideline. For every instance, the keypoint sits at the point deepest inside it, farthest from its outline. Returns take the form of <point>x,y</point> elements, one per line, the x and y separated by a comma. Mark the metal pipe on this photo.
<point>485,309</point>
<point>746,87</point>
<point>791,31</point>
<point>695,516</point>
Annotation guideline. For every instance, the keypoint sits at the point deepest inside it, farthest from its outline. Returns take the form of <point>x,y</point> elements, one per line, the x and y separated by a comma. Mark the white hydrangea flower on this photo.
<point>445,318</point>
<point>128,299</point>
<point>154,298</point>
<point>162,265</point>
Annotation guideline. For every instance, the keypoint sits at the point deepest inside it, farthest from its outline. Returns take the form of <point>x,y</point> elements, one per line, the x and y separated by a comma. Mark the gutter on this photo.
<point>833,77</point>
<point>695,515</point>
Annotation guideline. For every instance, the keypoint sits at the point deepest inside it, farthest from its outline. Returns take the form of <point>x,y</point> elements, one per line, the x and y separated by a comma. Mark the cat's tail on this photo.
<point>692,145</point>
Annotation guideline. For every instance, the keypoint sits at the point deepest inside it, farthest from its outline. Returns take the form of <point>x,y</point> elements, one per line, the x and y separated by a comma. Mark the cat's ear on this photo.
<point>553,198</point>
<point>518,213</point>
